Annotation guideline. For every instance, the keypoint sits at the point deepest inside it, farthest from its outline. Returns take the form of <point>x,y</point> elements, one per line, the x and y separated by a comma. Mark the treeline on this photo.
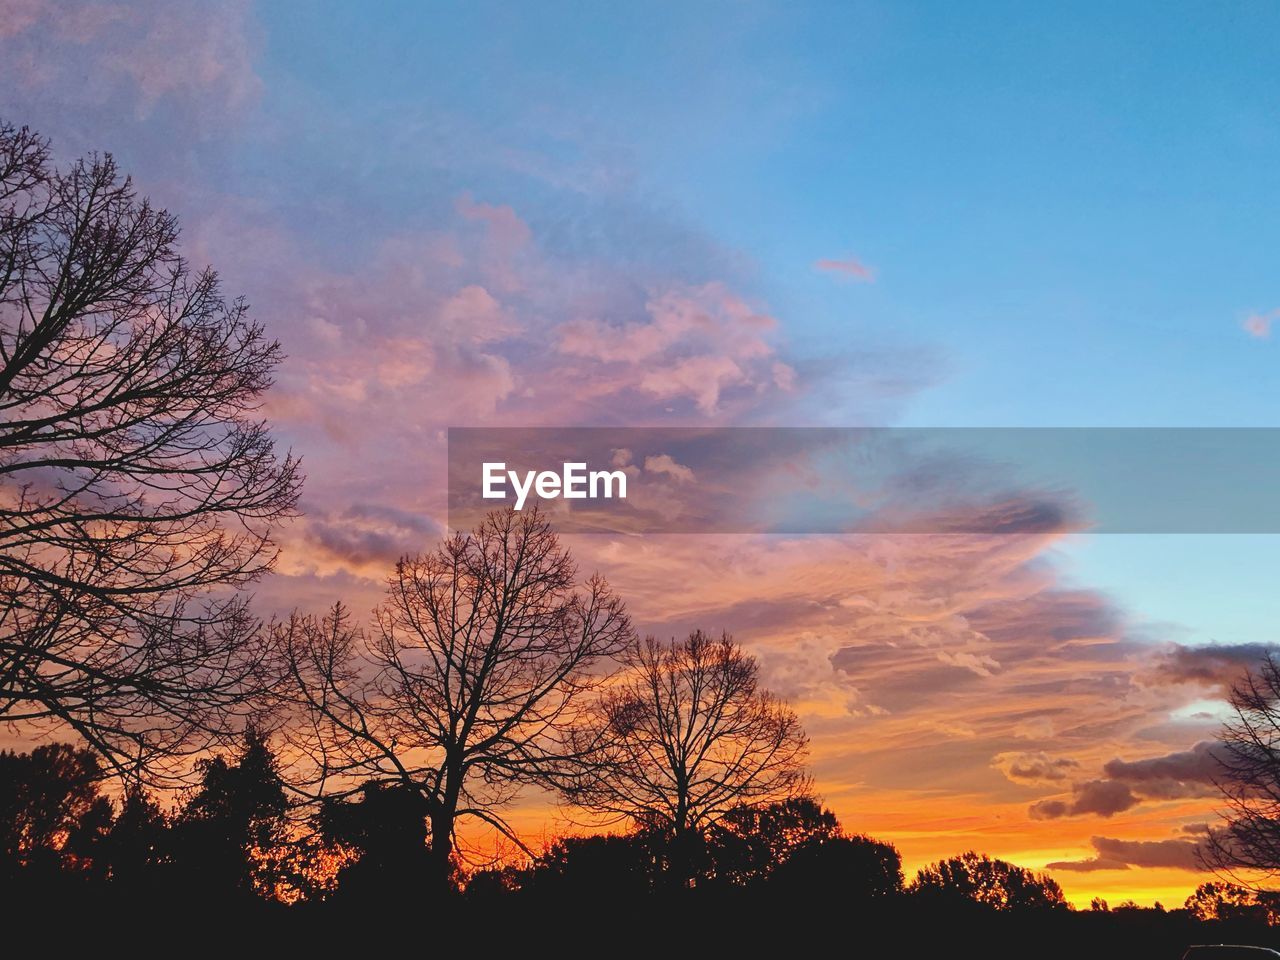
<point>238,834</point>
<point>238,847</point>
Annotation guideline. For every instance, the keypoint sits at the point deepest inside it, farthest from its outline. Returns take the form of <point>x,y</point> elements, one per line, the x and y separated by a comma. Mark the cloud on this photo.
<point>1035,767</point>
<point>508,238</point>
<point>663,463</point>
<point>1187,773</point>
<point>191,61</point>
<point>694,343</point>
<point>364,537</point>
<point>1103,798</point>
<point>879,640</point>
<point>849,268</point>
<point>1258,325</point>
<point>1217,666</point>
<point>702,379</point>
<point>1034,728</point>
<point>506,226</point>
<point>1115,854</point>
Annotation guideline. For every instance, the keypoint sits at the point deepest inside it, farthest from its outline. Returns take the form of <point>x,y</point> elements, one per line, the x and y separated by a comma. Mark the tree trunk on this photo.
<point>443,817</point>
<point>441,850</point>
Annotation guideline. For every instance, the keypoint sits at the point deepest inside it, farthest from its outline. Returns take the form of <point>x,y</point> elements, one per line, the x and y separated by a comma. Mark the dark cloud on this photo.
<point>1103,798</point>
<point>1186,773</point>
<point>1035,767</point>
<point>370,533</point>
<point>1113,854</point>
<point>1217,665</point>
<point>1011,515</point>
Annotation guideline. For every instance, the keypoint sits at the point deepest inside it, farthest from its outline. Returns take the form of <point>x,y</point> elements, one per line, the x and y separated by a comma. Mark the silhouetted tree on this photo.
<point>228,834</point>
<point>1250,778</point>
<point>851,869</point>
<point>992,883</point>
<point>138,845</point>
<point>1218,900</point>
<point>481,658</point>
<point>386,834</point>
<point>685,737</point>
<point>135,475</point>
<point>490,883</point>
<point>595,867</point>
<point>53,816</point>
<point>750,842</point>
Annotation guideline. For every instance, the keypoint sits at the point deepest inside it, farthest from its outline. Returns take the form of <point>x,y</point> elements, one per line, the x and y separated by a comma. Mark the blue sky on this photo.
<point>1070,210</point>
<point>1075,207</point>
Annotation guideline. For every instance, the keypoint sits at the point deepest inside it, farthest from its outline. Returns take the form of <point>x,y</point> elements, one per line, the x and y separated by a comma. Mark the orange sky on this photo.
<point>948,685</point>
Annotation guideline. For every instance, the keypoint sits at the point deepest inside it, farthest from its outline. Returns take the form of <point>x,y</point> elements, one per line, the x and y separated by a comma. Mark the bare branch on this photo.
<point>138,486</point>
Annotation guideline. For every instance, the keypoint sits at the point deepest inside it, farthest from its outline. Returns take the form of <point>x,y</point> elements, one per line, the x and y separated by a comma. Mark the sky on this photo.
<point>844,214</point>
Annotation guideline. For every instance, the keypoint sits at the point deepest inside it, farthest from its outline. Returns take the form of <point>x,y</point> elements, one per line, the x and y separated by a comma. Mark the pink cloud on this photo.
<point>693,344</point>
<point>701,378</point>
<point>1258,325</point>
<point>664,463</point>
<point>506,227</point>
<point>849,268</point>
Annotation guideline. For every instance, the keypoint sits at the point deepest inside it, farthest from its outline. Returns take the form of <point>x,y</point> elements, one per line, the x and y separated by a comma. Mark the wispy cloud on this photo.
<point>849,268</point>
<point>665,463</point>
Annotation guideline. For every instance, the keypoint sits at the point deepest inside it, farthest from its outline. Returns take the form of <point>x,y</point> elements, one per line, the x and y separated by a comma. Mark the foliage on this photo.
<point>1219,900</point>
<point>52,813</point>
<point>233,832</point>
<point>989,882</point>
<point>751,842</point>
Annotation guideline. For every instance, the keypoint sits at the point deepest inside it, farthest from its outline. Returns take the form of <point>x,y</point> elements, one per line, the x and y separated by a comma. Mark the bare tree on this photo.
<point>1249,757</point>
<point>478,662</point>
<point>687,736</point>
<point>138,487</point>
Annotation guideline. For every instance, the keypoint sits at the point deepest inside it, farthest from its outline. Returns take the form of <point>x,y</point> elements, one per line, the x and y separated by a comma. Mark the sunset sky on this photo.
<point>824,214</point>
